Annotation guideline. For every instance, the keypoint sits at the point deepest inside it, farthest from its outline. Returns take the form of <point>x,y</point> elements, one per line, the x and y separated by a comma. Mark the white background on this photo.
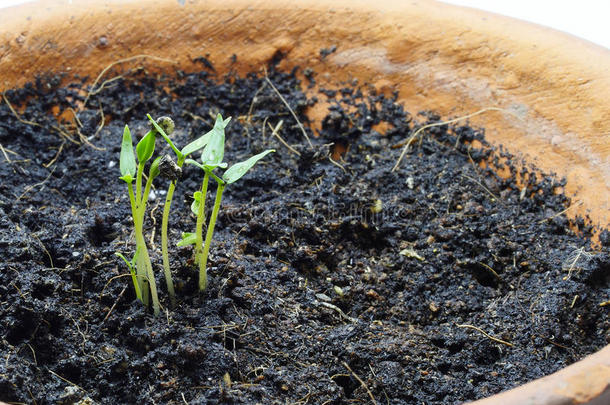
<point>588,19</point>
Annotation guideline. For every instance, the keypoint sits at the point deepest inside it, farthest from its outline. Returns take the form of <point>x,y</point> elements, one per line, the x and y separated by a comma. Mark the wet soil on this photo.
<point>333,279</point>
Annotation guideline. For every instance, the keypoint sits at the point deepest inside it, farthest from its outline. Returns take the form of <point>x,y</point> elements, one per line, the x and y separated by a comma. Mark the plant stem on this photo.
<point>143,264</point>
<point>151,280</point>
<point>139,184</point>
<point>199,227</point>
<point>136,283</point>
<point>137,229</point>
<point>164,224</point>
<point>164,239</point>
<point>203,261</point>
<point>144,198</point>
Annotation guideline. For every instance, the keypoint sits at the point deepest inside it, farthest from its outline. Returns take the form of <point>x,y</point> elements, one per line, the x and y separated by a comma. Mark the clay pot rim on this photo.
<point>568,72</point>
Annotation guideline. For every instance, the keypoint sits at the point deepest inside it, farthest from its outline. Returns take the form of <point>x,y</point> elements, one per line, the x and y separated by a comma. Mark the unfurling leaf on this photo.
<point>146,147</point>
<point>154,168</point>
<point>196,202</point>
<point>127,163</point>
<point>188,238</point>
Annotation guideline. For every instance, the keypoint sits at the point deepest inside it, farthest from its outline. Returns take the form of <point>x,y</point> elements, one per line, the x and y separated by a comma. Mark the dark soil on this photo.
<point>331,282</point>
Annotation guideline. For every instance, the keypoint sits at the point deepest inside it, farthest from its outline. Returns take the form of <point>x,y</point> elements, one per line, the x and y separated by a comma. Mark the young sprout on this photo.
<point>172,171</point>
<point>143,277</point>
<point>211,159</point>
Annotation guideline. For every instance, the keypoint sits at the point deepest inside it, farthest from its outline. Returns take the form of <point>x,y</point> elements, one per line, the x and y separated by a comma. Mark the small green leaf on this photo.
<point>154,168</point>
<point>237,171</point>
<point>127,161</point>
<point>132,269</point>
<point>197,144</point>
<point>128,178</point>
<point>214,151</point>
<point>146,147</point>
<point>196,202</point>
<point>188,238</point>
<point>130,264</point>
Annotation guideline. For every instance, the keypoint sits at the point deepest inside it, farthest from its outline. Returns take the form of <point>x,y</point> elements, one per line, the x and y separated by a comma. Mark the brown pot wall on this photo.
<point>452,59</point>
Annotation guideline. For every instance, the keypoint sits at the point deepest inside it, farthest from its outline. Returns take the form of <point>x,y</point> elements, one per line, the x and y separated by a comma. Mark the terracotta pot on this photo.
<point>451,59</point>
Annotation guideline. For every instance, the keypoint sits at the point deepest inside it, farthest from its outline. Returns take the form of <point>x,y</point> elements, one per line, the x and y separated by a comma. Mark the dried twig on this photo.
<point>577,203</point>
<point>437,124</point>
<point>368,391</point>
<point>118,62</point>
<point>30,188</point>
<point>289,109</point>
<point>485,334</point>
<point>482,186</point>
<point>274,132</point>
<point>8,160</point>
<point>115,302</point>
<point>573,258</point>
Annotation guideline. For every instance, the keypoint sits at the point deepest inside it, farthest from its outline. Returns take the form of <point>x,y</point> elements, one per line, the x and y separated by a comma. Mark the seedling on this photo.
<point>173,171</point>
<point>142,275</point>
<point>211,159</point>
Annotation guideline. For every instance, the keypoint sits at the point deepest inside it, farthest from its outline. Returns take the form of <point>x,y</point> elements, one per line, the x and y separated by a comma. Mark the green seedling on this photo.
<point>211,159</point>
<point>173,171</point>
<point>144,281</point>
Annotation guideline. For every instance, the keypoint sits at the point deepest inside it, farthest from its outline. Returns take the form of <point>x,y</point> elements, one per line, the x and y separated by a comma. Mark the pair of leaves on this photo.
<point>213,153</point>
<point>146,147</point>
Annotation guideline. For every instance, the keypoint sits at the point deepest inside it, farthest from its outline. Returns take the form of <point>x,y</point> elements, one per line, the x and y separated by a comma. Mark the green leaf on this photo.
<point>197,144</point>
<point>132,269</point>
<point>130,264</point>
<point>146,147</point>
<point>154,168</point>
<point>128,159</point>
<point>237,171</point>
<point>214,151</point>
<point>188,238</point>
<point>196,202</point>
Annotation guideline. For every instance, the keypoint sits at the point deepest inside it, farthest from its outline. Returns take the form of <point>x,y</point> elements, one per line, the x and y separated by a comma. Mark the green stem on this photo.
<point>139,183</point>
<point>151,281</point>
<point>136,283</point>
<point>138,223</point>
<point>201,219</point>
<point>144,199</point>
<point>203,261</point>
<point>141,262</point>
<point>144,270</point>
<point>164,225</point>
